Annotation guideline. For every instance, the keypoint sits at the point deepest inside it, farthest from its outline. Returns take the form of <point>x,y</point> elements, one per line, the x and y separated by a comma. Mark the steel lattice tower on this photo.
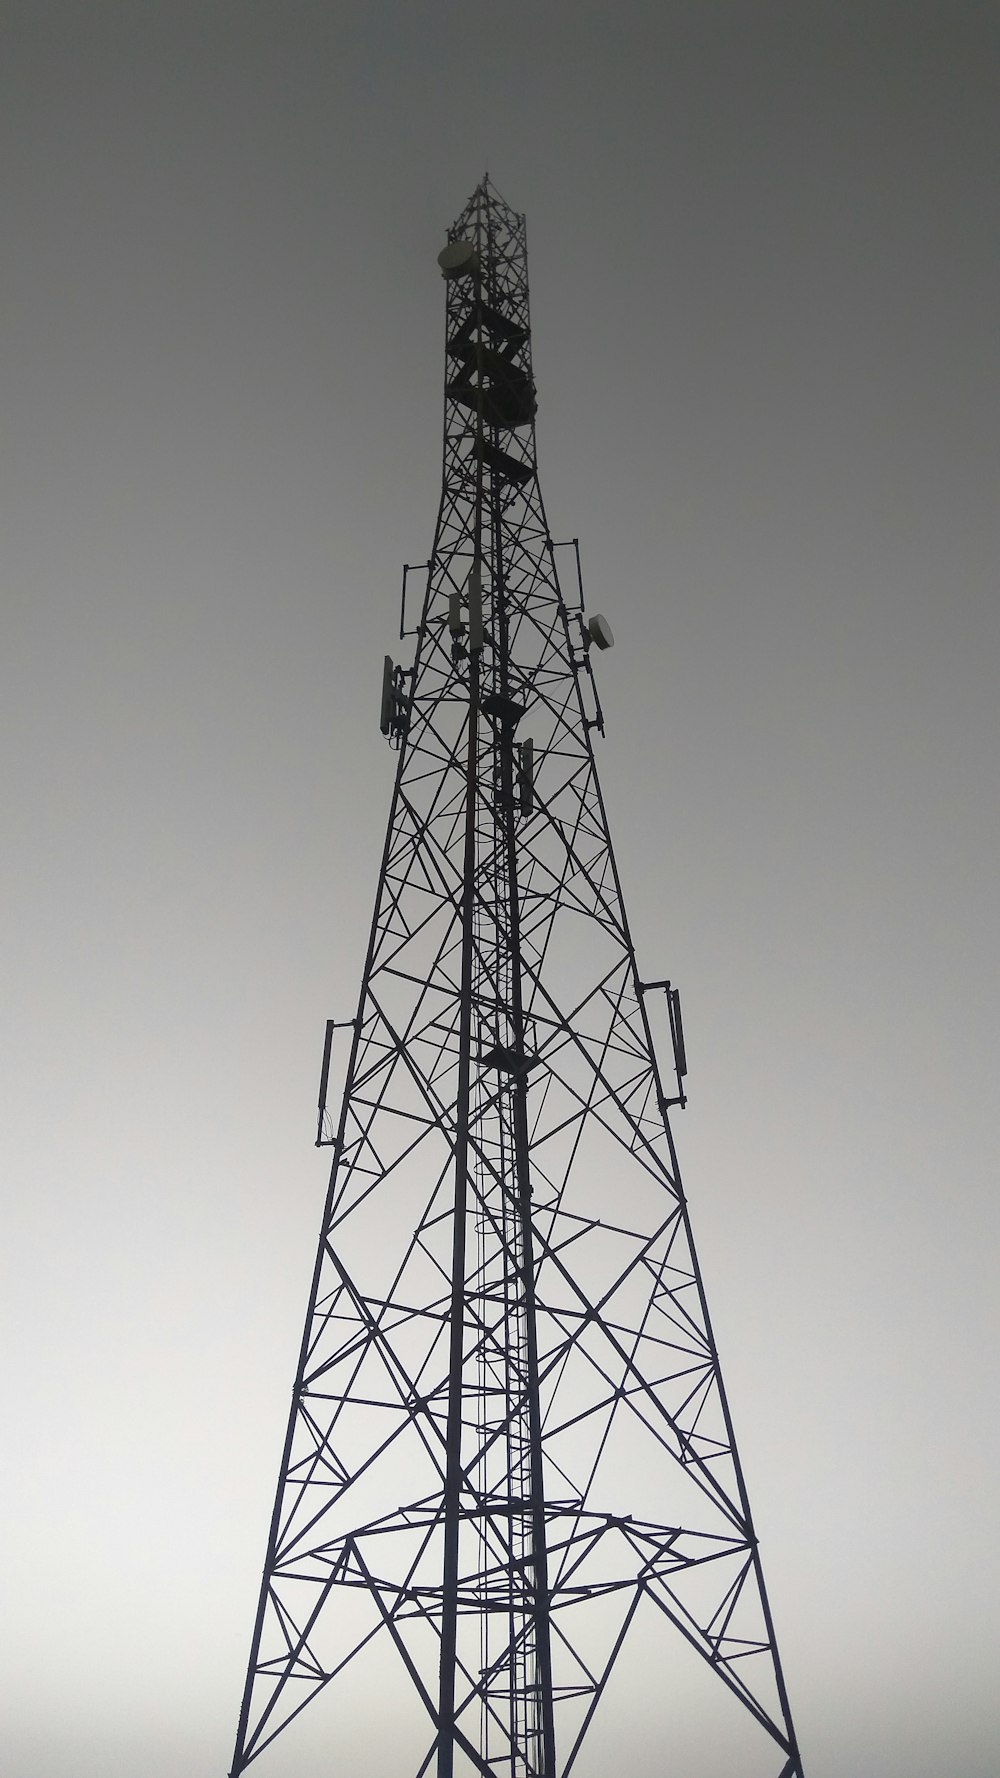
<point>510,1465</point>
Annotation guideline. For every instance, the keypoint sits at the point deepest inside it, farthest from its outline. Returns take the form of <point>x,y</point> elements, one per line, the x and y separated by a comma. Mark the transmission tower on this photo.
<point>509,1492</point>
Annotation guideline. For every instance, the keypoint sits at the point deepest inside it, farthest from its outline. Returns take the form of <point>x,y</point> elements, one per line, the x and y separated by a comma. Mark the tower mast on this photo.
<point>509,1453</point>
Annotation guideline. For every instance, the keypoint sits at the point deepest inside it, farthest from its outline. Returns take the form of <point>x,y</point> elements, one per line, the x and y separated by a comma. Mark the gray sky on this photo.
<point>763,250</point>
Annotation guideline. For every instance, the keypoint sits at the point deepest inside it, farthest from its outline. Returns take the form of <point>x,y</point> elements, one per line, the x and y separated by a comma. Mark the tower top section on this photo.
<point>489,390</point>
<point>486,212</point>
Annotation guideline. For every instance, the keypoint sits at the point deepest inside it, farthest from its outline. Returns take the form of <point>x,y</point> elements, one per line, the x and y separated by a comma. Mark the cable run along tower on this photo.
<point>511,1526</point>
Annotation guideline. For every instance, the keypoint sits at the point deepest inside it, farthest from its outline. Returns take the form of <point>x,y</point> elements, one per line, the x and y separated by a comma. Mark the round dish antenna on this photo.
<point>458,259</point>
<point>600,632</point>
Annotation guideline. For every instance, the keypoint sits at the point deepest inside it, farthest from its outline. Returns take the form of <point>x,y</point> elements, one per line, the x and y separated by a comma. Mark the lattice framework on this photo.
<point>509,1444</point>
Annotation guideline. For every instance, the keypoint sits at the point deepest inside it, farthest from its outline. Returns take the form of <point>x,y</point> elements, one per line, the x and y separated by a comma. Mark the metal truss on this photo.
<point>509,1455</point>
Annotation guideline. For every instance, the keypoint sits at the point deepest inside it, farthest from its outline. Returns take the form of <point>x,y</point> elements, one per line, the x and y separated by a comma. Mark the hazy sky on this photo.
<point>763,252</point>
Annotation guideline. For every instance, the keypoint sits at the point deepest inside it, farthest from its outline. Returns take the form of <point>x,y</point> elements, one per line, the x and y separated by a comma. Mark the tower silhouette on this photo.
<point>509,1492</point>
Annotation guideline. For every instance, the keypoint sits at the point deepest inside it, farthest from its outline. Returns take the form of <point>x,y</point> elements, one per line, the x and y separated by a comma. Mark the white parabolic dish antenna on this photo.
<point>600,631</point>
<point>458,259</point>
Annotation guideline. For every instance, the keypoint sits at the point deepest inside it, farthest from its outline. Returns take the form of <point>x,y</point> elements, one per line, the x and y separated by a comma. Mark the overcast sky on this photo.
<point>763,258</point>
